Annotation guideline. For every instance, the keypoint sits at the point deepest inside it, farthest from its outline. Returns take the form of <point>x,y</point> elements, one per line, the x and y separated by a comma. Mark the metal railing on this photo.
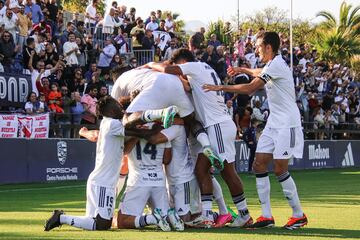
<point>144,56</point>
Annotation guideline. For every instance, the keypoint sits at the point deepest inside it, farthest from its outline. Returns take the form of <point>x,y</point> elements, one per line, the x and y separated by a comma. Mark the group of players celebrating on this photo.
<point>170,167</point>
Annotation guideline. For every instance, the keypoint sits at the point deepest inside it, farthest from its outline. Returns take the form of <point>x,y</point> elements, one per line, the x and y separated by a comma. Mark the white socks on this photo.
<point>152,115</point>
<point>86,223</point>
<point>241,205</point>
<point>290,192</point>
<point>263,189</point>
<point>142,221</point>
<point>206,204</point>
<point>203,139</point>
<point>218,196</point>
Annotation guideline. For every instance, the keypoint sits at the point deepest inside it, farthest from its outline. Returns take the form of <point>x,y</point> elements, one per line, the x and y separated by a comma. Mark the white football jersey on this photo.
<point>209,106</point>
<point>280,90</point>
<point>109,152</point>
<point>181,167</point>
<point>136,79</point>
<point>146,164</point>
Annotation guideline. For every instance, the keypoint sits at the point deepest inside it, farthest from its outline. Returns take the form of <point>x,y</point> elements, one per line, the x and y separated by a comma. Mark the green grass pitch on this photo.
<point>330,198</point>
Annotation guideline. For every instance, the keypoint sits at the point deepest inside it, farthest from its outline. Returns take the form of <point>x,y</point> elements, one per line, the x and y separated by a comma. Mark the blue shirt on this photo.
<point>77,111</point>
<point>36,12</point>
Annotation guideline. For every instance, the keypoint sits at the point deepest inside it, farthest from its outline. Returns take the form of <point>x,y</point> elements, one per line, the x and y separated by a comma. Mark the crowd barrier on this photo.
<point>49,160</point>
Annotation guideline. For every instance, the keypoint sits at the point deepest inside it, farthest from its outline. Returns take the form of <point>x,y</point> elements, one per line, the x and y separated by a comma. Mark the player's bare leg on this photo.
<point>298,218</point>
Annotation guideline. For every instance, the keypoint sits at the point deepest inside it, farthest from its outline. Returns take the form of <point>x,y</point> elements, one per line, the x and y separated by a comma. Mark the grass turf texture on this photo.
<point>330,198</point>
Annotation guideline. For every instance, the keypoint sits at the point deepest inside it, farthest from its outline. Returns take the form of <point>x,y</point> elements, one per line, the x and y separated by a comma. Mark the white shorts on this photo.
<point>100,200</point>
<point>283,143</point>
<point>135,199</point>
<point>164,92</point>
<point>185,197</point>
<point>222,139</point>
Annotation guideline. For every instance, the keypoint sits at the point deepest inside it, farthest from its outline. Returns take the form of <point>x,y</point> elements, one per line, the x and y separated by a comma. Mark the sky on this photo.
<point>212,10</point>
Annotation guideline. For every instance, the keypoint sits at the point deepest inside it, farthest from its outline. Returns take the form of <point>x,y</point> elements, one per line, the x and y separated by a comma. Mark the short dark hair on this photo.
<point>118,71</point>
<point>272,39</point>
<point>183,54</point>
<point>91,87</point>
<point>29,41</point>
<point>80,23</point>
<point>105,105</point>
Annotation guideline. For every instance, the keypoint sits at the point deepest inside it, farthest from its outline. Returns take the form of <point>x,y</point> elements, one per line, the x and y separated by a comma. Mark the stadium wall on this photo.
<point>47,160</point>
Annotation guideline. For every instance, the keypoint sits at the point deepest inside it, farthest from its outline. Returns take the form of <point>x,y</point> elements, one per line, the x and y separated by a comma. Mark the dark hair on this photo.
<point>118,71</point>
<point>91,87</point>
<point>105,105</point>
<point>80,23</point>
<point>28,98</point>
<point>183,54</point>
<point>29,41</point>
<point>272,39</point>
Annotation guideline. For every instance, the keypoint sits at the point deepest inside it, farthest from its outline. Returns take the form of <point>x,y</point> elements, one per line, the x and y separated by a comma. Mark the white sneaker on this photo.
<point>200,222</point>
<point>161,222</point>
<point>175,221</point>
<point>241,222</point>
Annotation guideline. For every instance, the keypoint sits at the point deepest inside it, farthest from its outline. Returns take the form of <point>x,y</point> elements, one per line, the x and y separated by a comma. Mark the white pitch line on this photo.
<point>34,189</point>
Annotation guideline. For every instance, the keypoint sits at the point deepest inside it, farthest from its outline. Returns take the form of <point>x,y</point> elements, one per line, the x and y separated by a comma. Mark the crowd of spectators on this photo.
<point>70,61</point>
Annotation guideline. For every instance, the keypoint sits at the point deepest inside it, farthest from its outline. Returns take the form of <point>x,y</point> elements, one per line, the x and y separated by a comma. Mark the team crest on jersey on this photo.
<point>62,152</point>
<point>266,77</point>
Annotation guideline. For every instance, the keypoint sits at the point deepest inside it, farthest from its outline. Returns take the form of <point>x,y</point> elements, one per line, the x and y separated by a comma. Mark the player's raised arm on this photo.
<point>232,71</point>
<point>248,88</point>
<point>165,68</point>
<point>91,135</point>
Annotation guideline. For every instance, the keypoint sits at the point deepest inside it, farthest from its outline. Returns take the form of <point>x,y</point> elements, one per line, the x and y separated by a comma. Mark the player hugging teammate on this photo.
<point>197,136</point>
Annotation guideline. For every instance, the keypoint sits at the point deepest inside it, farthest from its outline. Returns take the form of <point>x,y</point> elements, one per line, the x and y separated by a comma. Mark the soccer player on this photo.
<point>156,92</point>
<point>211,109</point>
<point>282,137</point>
<point>147,184</point>
<point>182,185</point>
<point>100,190</point>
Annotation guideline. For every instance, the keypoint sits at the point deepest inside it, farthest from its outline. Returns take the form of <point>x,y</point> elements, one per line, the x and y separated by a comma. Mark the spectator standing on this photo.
<point>137,33</point>
<point>152,25</point>
<point>71,51</point>
<point>89,103</point>
<point>90,15</point>
<point>53,9</point>
<point>109,22</point>
<point>25,25</point>
<point>213,41</point>
<point>249,138</point>
<point>10,22</point>
<point>35,10</point>
<point>65,117</point>
<point>77,109</point>
<point>106,55</point>
<point>170,50</point>
<point>8,51</point>
<point>169,23</point>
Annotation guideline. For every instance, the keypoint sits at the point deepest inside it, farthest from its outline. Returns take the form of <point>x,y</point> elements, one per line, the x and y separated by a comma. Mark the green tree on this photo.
<point>338,40</point>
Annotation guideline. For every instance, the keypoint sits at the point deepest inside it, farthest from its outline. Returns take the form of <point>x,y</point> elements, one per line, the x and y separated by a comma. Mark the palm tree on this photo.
<point>349,20</point>
<point>338,41</point>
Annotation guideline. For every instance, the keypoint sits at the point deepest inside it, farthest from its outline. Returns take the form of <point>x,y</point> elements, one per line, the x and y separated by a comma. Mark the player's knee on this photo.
<point>102,224</point>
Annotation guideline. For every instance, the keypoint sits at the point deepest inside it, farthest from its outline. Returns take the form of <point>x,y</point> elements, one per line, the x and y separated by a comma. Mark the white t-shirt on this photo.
<point>92,13</point>
<point>164,38</point>
<point>72,58</point>
<point>136,79</point>
<point>280,90</point>
<point>303,62</point>
<point>181,167</point>
<point>152,26</point>
<point>209,106</point>
<point>109,151</point>
<point>169,24</point>
<point>34,75</point>
<point>30,106</point>
<point>146,164</point>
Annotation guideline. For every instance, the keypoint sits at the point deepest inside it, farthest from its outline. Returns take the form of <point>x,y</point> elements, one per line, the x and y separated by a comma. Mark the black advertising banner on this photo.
<point>14,89</point>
